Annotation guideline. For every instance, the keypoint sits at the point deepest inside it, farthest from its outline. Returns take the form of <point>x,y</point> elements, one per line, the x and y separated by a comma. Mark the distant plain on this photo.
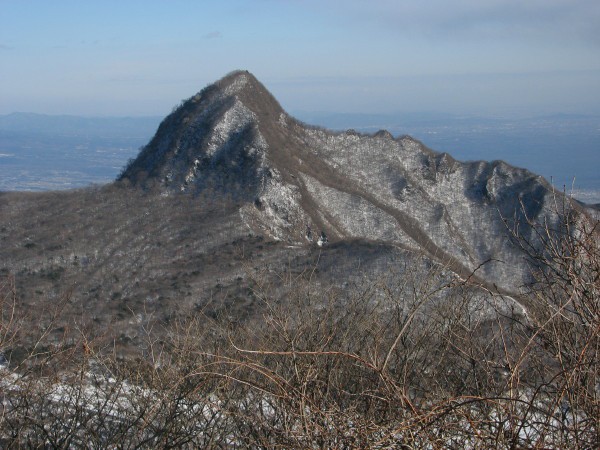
<point>39,152</point>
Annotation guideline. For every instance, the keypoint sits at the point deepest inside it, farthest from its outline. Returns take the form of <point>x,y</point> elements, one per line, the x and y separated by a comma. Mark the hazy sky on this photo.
<point>463,56</point>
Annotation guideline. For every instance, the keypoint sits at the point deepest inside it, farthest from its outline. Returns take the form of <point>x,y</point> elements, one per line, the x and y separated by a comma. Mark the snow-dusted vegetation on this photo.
<point>418,360</point>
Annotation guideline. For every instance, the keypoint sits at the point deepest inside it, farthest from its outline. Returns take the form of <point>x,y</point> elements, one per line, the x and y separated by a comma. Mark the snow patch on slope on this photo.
<point>357,216</point>
<point>277,209</point>
<point>234,120</point>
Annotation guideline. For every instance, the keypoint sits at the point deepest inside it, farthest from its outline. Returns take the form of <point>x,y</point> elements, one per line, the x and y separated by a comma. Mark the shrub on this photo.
<point>421,362</point>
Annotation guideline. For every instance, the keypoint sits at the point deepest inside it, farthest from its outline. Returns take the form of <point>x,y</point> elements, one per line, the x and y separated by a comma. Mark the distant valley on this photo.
<point>40,152</point>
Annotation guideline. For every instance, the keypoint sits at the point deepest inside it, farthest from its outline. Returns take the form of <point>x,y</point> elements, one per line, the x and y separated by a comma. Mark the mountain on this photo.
<point>302,184</point>
<point>233,197</point>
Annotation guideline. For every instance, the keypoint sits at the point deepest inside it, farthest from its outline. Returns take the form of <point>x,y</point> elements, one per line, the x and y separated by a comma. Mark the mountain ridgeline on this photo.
<point>301,184</point>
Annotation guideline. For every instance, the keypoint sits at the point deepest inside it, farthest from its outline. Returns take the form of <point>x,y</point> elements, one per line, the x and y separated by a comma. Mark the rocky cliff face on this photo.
<point>307,185</point>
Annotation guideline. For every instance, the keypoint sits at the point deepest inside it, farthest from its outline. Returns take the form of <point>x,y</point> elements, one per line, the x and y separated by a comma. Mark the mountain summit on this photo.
<point>306,185</point>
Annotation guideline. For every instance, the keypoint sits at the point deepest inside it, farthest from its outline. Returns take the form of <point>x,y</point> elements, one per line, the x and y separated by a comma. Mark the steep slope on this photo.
<point>303,184</point>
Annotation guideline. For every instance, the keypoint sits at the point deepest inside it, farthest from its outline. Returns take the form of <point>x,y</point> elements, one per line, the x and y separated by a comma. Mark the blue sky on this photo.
<point>488,57</point>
